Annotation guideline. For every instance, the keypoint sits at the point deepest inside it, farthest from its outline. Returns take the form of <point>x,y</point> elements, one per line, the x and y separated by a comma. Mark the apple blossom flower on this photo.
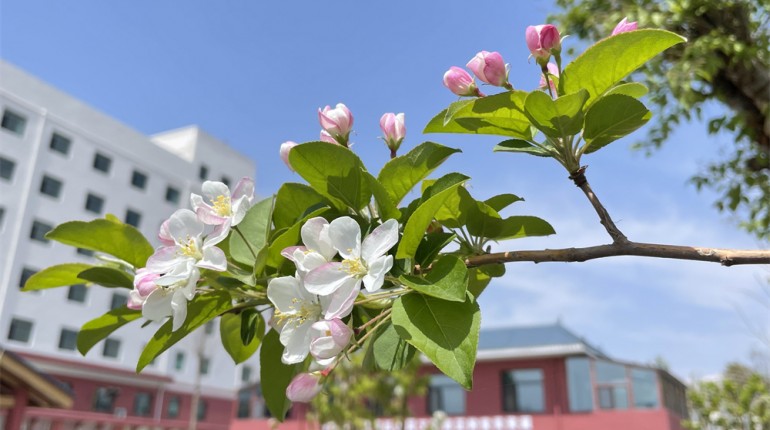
<point>219,206</point>
<point>337,122</point>
<point>284,152</point>
<point>317,249</point>
<point>543,41</point>
<point>304,387</point>
<point>176,288</point>
<point>553,70</point>
<point>144,284</point>
<point>461,82</point>
<point>330,338</point>
<point>326,137</point>
<point>393,129</point>
<point>365,262</point>
<point>624,26</point>
<point>296,310</point>
<point>489,67</point>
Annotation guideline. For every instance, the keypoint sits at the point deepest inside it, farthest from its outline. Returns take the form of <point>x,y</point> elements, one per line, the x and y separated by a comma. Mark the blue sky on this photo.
<point>255,73</point>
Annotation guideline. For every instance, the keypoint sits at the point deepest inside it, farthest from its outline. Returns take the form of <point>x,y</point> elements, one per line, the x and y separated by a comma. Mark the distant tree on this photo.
<point>740,401</point>
<point>726,62</point>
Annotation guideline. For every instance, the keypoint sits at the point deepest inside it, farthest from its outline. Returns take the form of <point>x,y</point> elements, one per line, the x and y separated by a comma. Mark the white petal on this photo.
<point>196,201</point>
<point>377,270</point>
<point>219,234</point>
<point>315,236</point>
<point>282,291</point>
<point>213,258</point>
<point>340,303</point>
<point>212,189</point>
<point>297,346</point>
<point>183,225</point>
<point>379,241</point>
<point>324,348</point>
<point>289,252</point>
<point>164,259</point>
<point>326,279</point>
<point>158,305</point>
<point>345,235</point>
<point>309,261</point>
<point>239,208</point>
<point>244,189</point>
<point>178,310</point>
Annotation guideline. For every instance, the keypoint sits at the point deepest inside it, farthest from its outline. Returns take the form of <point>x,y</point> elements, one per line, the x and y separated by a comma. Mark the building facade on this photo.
<point>61,160</point>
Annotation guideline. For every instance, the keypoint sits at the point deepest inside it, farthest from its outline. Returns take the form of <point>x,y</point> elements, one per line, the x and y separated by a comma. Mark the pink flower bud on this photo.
<point>304,387</point>
<point>330,338</point>
<point>489,67</point>
<point>337,122</point>
<point>543,41</point>
<point>326,137</point>
<point>553,70</point>
<point>393,129</point>
<point>624,26</point>
<point>144,284</point>
<point>461,82</point>
<point>284,151</point>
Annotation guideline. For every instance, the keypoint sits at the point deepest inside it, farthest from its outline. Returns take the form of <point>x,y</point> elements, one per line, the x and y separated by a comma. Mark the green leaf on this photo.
<point>230,333</point>
<point>200,310</point>
<point>456,209</point>
<point>502,201</point>
<point>274,375</point>
<point>418,222</point>
<point>631,89</point>
<point>97,329</point>
<point>501,114</point>
<point>518,145</point>
<point>390,352</point>
<point>608,61</point>
<point>556,118</point>
<point>105,235</point>
<point>386,209</point>
<point>292,202</point>
<point>446,332</point>
<point>334,171</point>
<point>402,173</point>
<point>447,280</point>
<point>522,226</point>
<point>255,228</point>
<point>107,277</point>
<point>611,118</point>
<point>431,245</point>
<point>480,277</point>
<point>61,275</point>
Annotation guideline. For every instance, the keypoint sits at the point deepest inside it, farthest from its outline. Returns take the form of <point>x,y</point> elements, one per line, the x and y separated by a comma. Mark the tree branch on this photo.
<point>726,257</point>
<point>579,178</point>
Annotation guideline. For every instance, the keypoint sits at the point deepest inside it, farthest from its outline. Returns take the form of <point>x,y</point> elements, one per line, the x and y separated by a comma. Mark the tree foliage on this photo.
<point>725,62</point>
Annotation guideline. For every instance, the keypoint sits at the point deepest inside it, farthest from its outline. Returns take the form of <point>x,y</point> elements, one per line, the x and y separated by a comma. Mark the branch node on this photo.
<point>579,176</point>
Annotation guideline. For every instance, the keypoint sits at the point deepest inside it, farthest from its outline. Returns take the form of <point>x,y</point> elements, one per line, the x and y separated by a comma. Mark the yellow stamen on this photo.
<point>191,249</point>
<point>354,267</point>
<point>222,206</point>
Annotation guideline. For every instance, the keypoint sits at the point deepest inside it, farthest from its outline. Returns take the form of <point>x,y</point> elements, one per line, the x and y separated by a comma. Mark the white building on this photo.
<point>62,160</point>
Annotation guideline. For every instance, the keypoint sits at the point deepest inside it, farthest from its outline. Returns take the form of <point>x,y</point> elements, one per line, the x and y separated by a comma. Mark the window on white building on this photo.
<point>444,394</point>
<point>142,404</point>
<point>246,373</point>
<point>20,330</point>
<point>39,230</point>
<point>50,186</point>
<point>77,293</point>
<point>133,218</point>
<point>138,180</point>
<point>6,168</point>
<point>94,203</point>
<point>14,122</point>
<point>179,360</point>
<point>172,195</point>
<point>203,172</point>
<point>102,163</point>
<point>226,180</point>
<point>60,144</point>
<point>523,391</point>
<point>204,365</point>
<point>2,217</point>
<point>26,273</point>
<point>111,348</point>
<point>85,252</point>
<point>68,339</point>
<point>118,300</point>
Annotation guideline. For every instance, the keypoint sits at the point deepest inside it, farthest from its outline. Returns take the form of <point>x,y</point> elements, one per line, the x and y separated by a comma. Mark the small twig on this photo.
<point>579,178</point>
<point>725,257</point>
<point>373,320</point>
<point>248,245</point>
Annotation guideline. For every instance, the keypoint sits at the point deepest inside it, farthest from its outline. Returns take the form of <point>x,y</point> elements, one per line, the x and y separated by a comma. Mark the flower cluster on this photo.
<point>331,266</point>
<point>189,238</point>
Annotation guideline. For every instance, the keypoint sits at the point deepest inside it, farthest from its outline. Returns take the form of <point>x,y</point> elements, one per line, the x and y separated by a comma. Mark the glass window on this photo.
<point>133,217</point>
<point>444,394</point>
<point>60,144</point>
<point>50,186</point>
<point>172,195</point>
<point>94,203</point>
<point>611,385</point>
<point>244,404</point>
<point>68,339</point>
<point>523,390</point>
<point>2,216</point>
<point>172,409</point>
<point>202,409</point>
<point>142,404</point>
<point>111,348</point>
<point>102,163</point>
<point>205,362</point>
<point>203,172</point>
<point>138,179</point>
<point>226,180</point>
<point>245,373</point>
<point>645,388</point>
<point>26,273</point>
<point>118,300</point>
<point>209,327</point>
<point>77,293</point>
<point>6,168</point>
<point>14,122</point>
<point>179,360</point>
<point>39,230</point>
<point>104,399</point>
<point>86,252</point>
<point>20,330</point>
<point>579,384</point>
